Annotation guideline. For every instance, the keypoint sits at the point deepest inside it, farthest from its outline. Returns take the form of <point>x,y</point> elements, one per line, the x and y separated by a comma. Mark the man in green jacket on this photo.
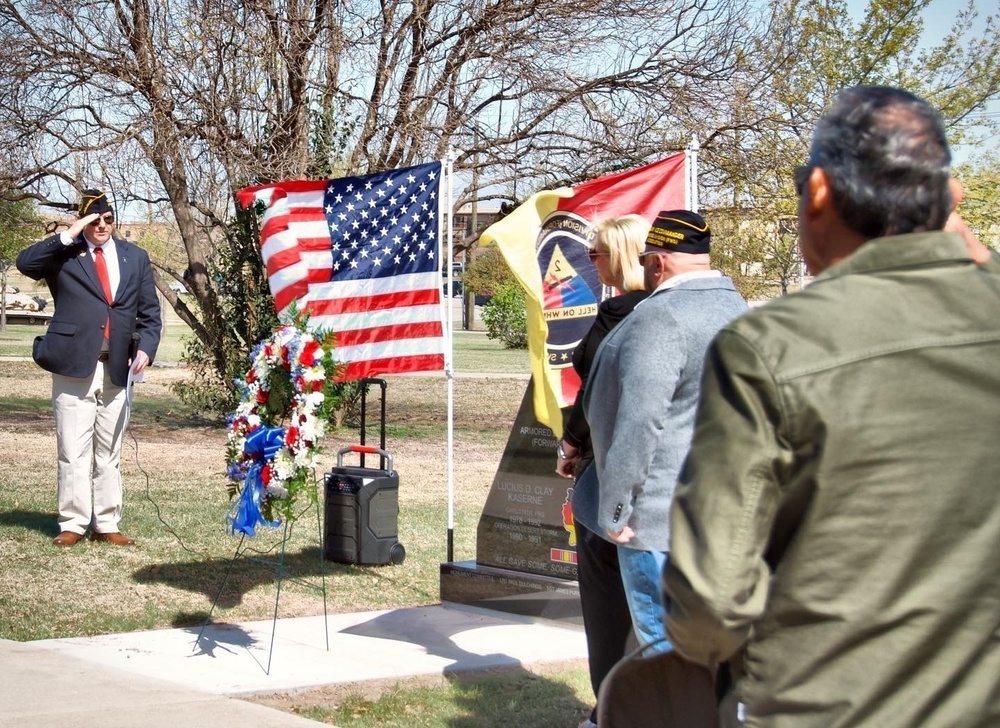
<point>835,531</point>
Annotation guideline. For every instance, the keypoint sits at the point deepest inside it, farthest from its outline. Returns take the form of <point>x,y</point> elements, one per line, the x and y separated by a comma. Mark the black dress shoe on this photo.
<point>67,538</point>
<point>118,539</point>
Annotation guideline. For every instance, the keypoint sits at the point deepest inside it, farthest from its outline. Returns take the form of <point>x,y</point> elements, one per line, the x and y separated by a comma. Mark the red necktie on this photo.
<point>102,276</point>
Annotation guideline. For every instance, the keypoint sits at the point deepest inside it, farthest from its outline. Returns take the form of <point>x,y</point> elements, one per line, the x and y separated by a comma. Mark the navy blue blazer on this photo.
<point>75,334</point>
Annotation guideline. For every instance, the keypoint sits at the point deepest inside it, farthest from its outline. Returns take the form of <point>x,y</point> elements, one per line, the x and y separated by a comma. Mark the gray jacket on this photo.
<point>640,402</point>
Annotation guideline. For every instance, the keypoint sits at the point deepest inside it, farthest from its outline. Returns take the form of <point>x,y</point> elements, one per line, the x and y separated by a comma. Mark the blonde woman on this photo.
<point>606,620</point>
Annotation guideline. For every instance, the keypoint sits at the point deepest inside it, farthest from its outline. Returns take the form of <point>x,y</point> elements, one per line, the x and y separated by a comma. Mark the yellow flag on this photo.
<point>516,235</point>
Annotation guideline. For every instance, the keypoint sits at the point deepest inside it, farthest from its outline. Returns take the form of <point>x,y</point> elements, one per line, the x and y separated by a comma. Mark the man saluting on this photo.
<point>106,320</point>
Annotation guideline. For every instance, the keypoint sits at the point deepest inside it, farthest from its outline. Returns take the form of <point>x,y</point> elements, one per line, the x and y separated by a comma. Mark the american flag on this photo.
<point>362,256</point>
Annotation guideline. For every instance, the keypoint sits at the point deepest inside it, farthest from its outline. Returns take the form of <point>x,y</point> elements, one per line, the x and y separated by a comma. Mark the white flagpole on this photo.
<point>449,359</point>
<point>692,179</point>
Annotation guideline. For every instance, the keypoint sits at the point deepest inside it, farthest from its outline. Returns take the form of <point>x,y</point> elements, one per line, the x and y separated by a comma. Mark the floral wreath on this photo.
<point>272,444</point>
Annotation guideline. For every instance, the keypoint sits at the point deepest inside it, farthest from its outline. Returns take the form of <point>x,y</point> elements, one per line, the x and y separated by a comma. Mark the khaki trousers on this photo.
<point>90,415</point>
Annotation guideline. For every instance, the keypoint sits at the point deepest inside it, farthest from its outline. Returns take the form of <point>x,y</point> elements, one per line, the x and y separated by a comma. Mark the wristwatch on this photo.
<point>560,452</point>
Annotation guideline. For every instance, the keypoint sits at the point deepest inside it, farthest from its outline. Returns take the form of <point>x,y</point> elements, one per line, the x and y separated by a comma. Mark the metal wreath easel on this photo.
<point>278,566</point>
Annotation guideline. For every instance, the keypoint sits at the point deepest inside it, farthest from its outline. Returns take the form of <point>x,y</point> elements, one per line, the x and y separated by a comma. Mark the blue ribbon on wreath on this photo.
<point>261,445</point>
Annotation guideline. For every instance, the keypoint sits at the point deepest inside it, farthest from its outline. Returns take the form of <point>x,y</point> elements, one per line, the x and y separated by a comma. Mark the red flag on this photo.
<point>545,243</point>
<point>642,191</point>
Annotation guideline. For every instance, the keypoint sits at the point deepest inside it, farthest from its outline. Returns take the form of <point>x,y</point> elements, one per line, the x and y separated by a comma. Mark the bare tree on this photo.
<point>175,104</point>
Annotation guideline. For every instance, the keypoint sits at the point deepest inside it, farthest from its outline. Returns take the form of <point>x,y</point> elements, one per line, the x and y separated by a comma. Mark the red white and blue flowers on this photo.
<point>286,400</point>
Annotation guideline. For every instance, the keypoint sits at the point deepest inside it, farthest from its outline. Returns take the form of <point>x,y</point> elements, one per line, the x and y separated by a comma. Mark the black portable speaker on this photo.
<point>361,512</point>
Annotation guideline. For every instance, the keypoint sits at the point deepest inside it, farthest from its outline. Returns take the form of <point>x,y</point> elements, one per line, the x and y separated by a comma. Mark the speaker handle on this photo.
<point>367,449</point>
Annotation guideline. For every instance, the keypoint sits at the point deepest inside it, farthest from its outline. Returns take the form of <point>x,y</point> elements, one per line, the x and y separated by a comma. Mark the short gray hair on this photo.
<point>886,154</point>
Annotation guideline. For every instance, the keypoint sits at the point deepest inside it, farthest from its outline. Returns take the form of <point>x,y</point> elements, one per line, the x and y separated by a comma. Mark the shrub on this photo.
<point>504,317</point>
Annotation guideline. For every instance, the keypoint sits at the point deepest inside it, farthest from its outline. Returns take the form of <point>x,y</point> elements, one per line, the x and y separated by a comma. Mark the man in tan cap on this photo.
<point>640,398</point>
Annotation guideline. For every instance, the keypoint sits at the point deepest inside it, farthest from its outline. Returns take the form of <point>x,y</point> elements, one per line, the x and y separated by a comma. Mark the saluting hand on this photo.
<point>79,224</point>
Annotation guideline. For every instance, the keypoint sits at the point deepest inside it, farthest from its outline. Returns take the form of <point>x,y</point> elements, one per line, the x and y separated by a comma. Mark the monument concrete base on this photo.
<point>515,592</point>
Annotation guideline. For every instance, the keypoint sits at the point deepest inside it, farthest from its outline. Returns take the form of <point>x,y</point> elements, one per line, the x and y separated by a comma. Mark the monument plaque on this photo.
<point>527,524</point>
<point>526,542</point>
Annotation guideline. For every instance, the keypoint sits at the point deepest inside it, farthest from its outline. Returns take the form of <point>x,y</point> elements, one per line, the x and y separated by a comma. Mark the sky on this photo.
<point>938,16</point>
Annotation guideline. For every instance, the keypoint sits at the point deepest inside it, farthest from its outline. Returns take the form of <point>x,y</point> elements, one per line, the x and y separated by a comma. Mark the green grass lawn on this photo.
<point>16,339</point>
<point>176,502</point>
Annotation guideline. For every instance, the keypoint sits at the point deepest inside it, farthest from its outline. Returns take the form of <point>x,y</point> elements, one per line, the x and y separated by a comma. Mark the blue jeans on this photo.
<point>641,576</point>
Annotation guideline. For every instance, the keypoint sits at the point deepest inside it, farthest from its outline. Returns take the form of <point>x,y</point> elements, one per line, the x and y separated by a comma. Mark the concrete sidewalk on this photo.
<point>165,678</point>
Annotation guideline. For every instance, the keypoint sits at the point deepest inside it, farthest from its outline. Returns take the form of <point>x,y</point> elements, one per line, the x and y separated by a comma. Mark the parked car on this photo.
<point>456,288</point>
